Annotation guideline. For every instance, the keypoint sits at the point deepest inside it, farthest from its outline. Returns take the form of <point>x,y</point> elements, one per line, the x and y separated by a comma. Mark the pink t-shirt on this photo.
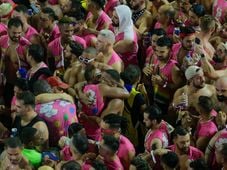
<point>56,49</point>
<point>30,33</point>
<point>175,50</point>
<point>169,30</point>
<point>219,9</point>
<point>93,130</point>
<point>3,29</point>
<point>206,129</point>
<point>114,59</point>
<point>149,54</point>
<point>156,134</point>
<point>55,33</point>
<point>41,77</point>
<point>128,57</point>
<point>58,115</point>
<point>114,165</point>
<point>123,152</point>
<point>110,5</point>
<point>193,152</point>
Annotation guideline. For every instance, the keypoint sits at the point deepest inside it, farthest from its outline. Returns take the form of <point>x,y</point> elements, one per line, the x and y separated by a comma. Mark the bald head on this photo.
<point>221,88</point>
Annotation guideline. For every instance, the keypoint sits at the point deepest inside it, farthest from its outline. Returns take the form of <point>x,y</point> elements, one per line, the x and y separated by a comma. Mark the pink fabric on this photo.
<point>219,8</point>
<point>30,33</point>
<point>93,130</point>
<point>30,74</point>
<point>124,148</point>
<point>128,57</point>
<point>53,2</point>
<point>114,59</point>
<point>206,129</point>
<point>169,30</point>
<point>149,53</point>
<point>193,153</point>
<point>66,153</point>
<point>114,165</point>
<point>56,49</point>
<point>3,29</point>
<point>110,5</point>
<point>157,134</point>
<point>175,50</point>
<point>213,113</point>
<point>55,33</point>
<point>58,115</point>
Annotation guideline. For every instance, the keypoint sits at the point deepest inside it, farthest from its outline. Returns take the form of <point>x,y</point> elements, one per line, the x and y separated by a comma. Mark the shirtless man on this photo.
<point>141,17</point>
<point>221,90</point>
<point>207,25</point>
<point>188,95</point>
<point>104,45</point>
<point>30,33</point>
<point>13,48</point>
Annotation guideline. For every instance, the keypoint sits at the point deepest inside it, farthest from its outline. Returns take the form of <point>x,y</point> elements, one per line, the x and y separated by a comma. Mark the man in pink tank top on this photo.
<point>104,45</point>
<point>182,147</point>
<point>30,33</point>
<point>126,39</point>
<point>13,48</point>
<point>56,47</point>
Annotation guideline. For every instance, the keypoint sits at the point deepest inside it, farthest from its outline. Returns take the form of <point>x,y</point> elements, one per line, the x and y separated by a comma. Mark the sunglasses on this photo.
<point>85,60</point>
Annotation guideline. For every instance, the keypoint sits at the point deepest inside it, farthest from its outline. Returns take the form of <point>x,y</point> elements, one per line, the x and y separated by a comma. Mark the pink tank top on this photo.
<point>149,54</point>
<point>123,152</point>
<point>30,33</point>
<point>206,129</point>
<point>58,115</point>
<point>93,130</point>
<point>169,30</point>
<point>128,57</point>
<point>3,29</point>
<point>55,33</point>
<point>157,134</point>
<point>219,9</point>
<point>114,165</point>
<point>114,59</point>
<point>193,153</point>
<point>56,49</point>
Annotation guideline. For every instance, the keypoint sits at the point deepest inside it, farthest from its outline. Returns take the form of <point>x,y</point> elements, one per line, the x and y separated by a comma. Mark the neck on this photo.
<point>29,116</point>
<point>25,26</point>
<point>112,158</point>
<point>49,29</point>
<point>96,13</point>
<point>204,116</point>
<point>107,52</point>
<point>155,127</point>
<point>192,89</point>
<point>205,36</point>
<point>34,64</point>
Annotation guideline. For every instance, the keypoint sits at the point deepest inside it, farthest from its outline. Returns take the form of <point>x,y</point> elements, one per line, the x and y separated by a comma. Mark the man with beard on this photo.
<point>141,17</point>
<point>13,48</point>
<point>12,158</point>
<point>221,90</point>
<point>126,39</point>
<point>187,96</point>
<point>104,45</point>
<point>182,148</point>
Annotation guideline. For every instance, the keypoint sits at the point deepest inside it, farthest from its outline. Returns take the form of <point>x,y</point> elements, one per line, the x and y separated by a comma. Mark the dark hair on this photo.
<point>66,20</point>
<point>170,159</point>
<point>98,165</point>
<point>71,165</point>
<point>154,112</point>
<point>15,22</point>
<point>27,135</point>
<point>114,74</point>
<point>164,41</point>
<point>199,164</point>
<point>41,86</point>
<point>21,84</point>
<point>79,15</point>
<point>74,128</point>
<point>131,74</point>
<point>179,131</point>
<point>198,9</point>
<point>158,32</point>
<point>76,48</point>
<point>140,163</point>
<point>37,52</point>
<point>90,50</point>
<point>99,3</point>
<point>21,8</point>
<point>27,97</point>
<point>50,13</point>
<point>88,73</point>
<point>187,30</point>
<point>206,104</point>
<point>80,142</point>
<point>111,142</point>
<point>115,122</point>
<point>13,143</point>
<point>224,151</point>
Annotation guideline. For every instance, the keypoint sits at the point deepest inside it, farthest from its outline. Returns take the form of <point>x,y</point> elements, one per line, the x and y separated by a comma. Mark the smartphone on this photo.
<point>34,8</point>
<point>51,155</point>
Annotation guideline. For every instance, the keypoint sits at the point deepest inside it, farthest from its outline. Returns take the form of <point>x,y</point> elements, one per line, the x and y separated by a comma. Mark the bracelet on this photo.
<point>153,157</point>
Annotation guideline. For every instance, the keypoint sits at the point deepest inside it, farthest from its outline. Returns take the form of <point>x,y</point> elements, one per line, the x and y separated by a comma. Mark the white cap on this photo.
<point>192,71</point>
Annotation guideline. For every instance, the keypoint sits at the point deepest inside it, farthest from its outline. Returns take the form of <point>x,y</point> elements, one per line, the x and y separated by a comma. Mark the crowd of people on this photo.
<point>113,85</point>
